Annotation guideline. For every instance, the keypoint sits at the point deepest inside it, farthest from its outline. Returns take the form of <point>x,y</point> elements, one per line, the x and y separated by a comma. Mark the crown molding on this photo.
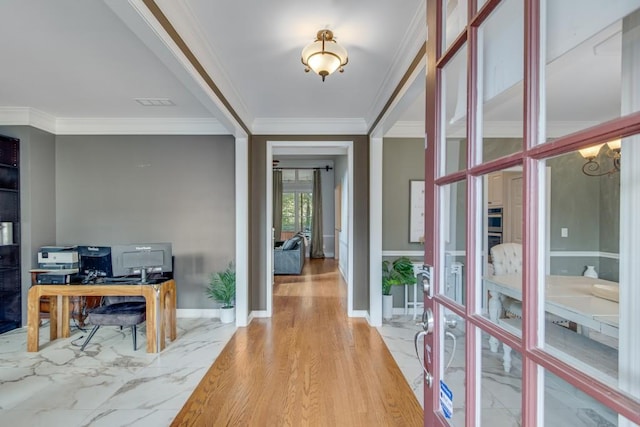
<point>335,126</point>
<point>25,116</point>
<point>410,45</point>
<point>406,129</point>
<point>139,126</point>
<point>190,27</point>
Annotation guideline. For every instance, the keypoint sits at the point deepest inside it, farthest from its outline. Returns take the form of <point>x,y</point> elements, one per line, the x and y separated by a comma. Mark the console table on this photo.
<point>160,301</point>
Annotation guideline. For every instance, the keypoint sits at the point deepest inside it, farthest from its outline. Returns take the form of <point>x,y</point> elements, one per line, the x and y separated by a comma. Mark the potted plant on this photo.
<point>389,278</point>
<point>222,288</point>
<point>396,273</point>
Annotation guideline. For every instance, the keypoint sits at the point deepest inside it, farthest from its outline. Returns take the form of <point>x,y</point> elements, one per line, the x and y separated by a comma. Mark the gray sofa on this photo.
<point>288,256</point>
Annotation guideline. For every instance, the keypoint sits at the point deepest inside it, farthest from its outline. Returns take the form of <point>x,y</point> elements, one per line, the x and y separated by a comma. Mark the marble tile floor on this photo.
<point>501,391</point>
<point>111,385</point>
<point>108,384</point>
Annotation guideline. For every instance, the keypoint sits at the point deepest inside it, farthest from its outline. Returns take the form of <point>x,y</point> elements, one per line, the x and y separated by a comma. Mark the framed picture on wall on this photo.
<point>416,211</point>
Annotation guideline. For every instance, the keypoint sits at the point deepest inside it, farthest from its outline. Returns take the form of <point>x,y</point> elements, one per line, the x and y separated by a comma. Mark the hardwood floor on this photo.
<point>307,365</point>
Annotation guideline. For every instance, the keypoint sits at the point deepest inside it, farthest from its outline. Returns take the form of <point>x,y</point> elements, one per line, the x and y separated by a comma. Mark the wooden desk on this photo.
<point>160,299</point>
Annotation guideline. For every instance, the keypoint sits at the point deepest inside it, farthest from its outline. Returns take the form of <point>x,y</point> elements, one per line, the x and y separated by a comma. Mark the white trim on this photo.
<point>375,230</point>
<point>194,313</point>
<point>269,238</point>
<point>359,313</point>
<point>139,126</point>
<point>593,254</point>
<point>25,116</point>
<point>410,254</point>
<point>141,21</point>
<point>293,126</point>
<point>294,147</point>
<point>415,36</point>
<point>191,29</point>
<point>242,230</point>
<point>257,314</point>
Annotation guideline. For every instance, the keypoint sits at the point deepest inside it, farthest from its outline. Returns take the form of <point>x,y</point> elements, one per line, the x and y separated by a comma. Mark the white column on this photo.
<point>242,231</point>
<point>629,350</point>
<point>375,230</point>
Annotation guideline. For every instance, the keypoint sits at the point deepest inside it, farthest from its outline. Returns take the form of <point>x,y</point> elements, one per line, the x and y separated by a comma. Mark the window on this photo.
<point>297,200</point>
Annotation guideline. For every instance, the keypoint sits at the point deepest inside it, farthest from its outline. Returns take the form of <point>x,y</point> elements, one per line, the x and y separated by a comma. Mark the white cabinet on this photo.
<point>513,208</point>
<point>496,189</point>
<point>504,190</point>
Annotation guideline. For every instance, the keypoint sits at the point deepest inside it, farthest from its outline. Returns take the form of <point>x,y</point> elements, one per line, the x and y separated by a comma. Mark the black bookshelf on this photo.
<point>10,284</point>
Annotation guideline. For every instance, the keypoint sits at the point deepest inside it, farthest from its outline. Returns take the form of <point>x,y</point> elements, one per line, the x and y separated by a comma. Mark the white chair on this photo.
<point>507,259</point>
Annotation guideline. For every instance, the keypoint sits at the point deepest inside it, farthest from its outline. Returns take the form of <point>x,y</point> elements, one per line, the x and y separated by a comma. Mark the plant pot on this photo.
<point>227,315</point>
<point>387,306</point>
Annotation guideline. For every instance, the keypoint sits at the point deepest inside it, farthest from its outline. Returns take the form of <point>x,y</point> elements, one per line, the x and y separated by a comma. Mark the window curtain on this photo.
<point>277,204</point>
<point>317,242</point>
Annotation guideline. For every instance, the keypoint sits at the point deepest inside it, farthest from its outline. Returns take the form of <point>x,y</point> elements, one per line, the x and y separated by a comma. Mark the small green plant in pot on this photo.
<point>389,277</point>
<point>404,269</point>
<point>396,273</point>
<point>222,288</point>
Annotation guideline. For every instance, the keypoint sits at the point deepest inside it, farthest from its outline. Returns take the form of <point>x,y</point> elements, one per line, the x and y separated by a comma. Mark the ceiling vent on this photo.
<point>155,102</point>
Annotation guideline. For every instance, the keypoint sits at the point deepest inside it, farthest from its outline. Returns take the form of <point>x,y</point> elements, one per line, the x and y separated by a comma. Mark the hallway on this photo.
<point>308,365</point>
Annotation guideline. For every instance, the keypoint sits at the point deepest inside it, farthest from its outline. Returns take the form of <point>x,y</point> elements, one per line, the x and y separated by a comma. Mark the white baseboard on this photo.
<point>257,314</point>
<point>359,313</point>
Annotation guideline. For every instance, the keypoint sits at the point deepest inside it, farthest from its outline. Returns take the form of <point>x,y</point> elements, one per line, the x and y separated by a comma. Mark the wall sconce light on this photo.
<point>324,55</point>
<point>592,167</point>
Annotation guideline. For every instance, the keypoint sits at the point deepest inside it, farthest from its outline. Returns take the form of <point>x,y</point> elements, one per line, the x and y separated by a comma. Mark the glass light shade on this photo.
<point>324,61</point>
<point>590,152</point>
<point>615,144</point>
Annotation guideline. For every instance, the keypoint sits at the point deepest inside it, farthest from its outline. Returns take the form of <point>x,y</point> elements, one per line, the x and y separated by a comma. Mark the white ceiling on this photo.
<point>77,66</point>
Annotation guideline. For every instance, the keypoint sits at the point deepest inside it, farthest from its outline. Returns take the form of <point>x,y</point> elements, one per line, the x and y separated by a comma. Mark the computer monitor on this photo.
<point>141,259</point>
<point>94,261</point>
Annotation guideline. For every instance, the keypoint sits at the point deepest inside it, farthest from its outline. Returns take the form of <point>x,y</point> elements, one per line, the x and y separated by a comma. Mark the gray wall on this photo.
<point>590,208</point>
<point>258,218</point>
<point>402,161</point>
<point>37,197</point>
<point>126,189</point>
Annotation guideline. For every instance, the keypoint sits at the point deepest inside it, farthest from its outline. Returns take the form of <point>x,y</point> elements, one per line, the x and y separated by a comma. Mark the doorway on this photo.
<point>344,176</point>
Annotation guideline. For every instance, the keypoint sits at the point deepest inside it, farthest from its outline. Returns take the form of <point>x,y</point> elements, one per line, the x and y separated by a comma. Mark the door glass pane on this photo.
<point>453,240</point>
<point>501,89</point>
<point>502,240</point>
<point>565,405</point>
<point>582,313</point>
<point>592,65</point>
<point>453,366</point>
<point>501,386</point>
<point>455,20</point>
<point>454,99</point>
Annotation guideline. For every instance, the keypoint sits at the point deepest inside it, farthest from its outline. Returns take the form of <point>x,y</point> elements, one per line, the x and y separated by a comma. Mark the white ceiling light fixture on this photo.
<point>324,56</point>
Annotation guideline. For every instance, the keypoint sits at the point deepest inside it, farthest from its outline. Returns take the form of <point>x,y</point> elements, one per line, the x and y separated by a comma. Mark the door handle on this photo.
<point>427,326</point>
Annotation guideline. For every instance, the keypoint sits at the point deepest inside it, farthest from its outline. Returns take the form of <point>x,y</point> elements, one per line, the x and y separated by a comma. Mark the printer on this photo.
<point>57,264</point>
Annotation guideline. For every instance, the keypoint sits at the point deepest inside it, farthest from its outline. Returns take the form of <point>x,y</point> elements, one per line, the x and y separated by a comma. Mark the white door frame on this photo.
<point>329,148</point>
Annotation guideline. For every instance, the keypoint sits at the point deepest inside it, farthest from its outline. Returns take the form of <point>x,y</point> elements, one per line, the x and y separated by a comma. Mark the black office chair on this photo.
<point>118,311</point>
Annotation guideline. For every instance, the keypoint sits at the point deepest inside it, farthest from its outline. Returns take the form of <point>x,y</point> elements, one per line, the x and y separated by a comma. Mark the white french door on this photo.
<point>543,95</point>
